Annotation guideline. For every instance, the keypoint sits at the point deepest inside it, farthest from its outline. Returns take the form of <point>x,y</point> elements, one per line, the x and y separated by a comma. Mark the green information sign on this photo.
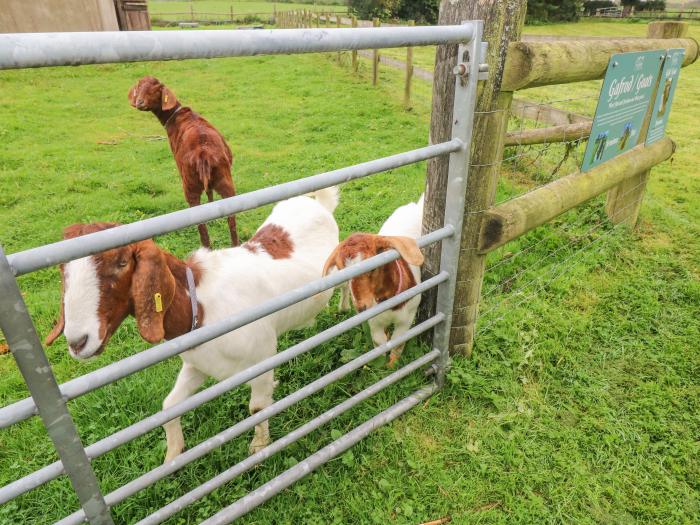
<point>623,103</point>
<point>664,96</point>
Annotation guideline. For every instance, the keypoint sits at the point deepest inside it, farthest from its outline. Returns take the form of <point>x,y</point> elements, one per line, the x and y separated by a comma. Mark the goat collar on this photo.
<point>193,296</point>
<point>175,112</point>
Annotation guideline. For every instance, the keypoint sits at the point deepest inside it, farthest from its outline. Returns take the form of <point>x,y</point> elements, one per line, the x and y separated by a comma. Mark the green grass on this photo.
<point>160,9</point>
<point>579,406</point>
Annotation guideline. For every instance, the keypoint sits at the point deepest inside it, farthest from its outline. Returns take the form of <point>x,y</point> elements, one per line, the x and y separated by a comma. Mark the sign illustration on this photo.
<point>623,103</point>
<point>664,96</point>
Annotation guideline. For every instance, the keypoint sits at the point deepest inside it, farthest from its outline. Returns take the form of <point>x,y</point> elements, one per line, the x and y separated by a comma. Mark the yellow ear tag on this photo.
<point>165,99</point>
<point>159,302</point>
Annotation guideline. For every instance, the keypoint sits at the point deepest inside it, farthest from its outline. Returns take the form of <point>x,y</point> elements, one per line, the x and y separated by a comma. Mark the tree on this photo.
<point>553,10</point>
<point>368,9</point>
<point>422,11</point>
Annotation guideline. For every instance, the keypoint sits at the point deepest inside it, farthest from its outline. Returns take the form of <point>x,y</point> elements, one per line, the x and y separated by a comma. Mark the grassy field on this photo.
<point>581,402</point>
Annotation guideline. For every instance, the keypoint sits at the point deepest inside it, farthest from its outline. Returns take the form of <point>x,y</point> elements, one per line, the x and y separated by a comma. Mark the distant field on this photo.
<point>161,9</point>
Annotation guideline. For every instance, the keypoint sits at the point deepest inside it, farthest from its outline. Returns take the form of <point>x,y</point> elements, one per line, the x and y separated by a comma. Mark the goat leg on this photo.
<point>226,189</point>
<point>195,199</point>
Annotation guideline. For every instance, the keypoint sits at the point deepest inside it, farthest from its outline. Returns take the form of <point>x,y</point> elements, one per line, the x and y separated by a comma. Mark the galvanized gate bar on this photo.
<point>248,423</point>
<point>23,340</point>
<point>119,369</point>
<point>49,49</point>
<point>21,50</point>
<point>97,449</point>
<point>303,468</point>
<point>458,172</point>
<point>69,249</point>
<point>295,435</point>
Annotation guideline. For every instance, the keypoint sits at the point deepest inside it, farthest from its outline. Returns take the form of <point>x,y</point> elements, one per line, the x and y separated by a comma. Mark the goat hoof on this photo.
<point>257,446</point>
<point>170,455</point>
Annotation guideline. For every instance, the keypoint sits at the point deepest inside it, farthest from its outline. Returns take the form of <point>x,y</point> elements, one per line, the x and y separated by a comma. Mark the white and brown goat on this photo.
<point>141,279</point>
<point>400,232</point>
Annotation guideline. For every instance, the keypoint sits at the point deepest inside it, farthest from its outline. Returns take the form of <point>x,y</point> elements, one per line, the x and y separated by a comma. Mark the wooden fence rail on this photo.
<point>510,220</point>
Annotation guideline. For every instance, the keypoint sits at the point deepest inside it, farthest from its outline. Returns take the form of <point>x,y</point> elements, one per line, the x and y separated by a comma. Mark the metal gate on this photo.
<point>49,400</point>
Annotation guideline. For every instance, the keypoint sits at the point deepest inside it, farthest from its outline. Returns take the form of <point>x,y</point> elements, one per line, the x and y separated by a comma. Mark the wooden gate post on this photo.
<point>503,22</point>
<point>625,200</point>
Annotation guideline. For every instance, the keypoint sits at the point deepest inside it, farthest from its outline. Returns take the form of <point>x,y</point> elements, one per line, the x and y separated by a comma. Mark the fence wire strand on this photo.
<point>532,165</point>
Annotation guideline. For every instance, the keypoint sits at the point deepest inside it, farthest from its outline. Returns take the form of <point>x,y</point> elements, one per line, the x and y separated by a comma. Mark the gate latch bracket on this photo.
<point>462,68</point>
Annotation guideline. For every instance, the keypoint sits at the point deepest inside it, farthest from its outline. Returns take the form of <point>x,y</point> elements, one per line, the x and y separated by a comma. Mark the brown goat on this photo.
<point>202,156</point>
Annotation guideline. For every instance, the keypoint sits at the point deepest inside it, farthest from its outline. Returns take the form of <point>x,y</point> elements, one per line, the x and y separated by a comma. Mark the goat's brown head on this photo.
<point>149,94</point>
<point>100,291</point>
<point>368,287</point>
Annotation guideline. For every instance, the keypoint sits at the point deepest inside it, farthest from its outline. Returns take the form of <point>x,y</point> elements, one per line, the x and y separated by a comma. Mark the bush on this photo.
<point>422,11</point>
<point>652,5</point>
<point>589,8</point>
<point>368,9</point>
<point>539,11</point>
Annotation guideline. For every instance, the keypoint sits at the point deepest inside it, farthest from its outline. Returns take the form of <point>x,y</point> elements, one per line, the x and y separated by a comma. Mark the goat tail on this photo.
<point>327,197</point>
<point>203,168</point>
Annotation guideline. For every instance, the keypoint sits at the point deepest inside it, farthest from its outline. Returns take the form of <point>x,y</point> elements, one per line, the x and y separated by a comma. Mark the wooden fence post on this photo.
<point>375,58</point>
<point>354,51</point>
<point>337,24</point>
<point>625,200</point>
<point>409,73</point>
<point>318,19</point>
<point>503,23</point>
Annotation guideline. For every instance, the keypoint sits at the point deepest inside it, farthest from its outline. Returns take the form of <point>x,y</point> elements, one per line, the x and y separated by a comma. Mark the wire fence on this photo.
<point>522,270</point>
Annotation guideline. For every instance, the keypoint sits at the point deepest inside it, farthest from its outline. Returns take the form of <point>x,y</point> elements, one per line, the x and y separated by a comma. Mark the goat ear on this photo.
<point>408,248</point>
<point>333,261</point>
<point>152,290</point>
<point>58,328</point>
<point>167,99</point>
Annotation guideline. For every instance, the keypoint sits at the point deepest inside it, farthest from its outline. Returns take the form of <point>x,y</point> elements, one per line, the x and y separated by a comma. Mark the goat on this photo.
<point>202,156</point>
<point>287,251</point>
<point>399,231</point>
